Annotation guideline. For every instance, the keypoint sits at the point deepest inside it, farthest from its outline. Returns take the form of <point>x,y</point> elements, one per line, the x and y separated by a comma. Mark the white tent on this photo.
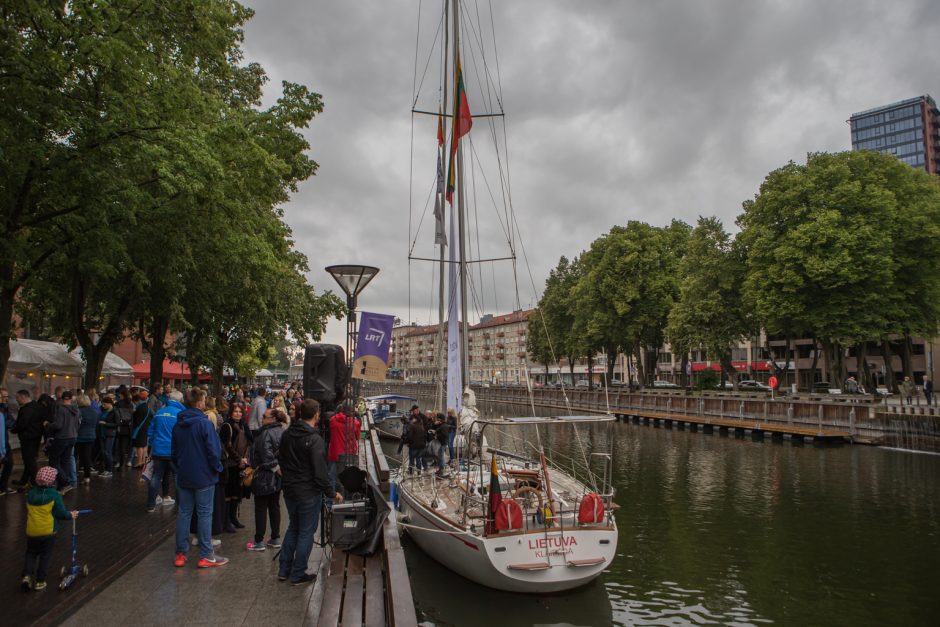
<point>39,365</point>
<point>47,357</point>
<point>264,372</point>
<point>113,365</point>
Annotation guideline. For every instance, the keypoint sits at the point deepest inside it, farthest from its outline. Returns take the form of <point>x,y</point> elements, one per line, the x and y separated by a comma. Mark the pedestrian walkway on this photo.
<point>132,579</point>
<point>114,537</point>
<point>243,592</point>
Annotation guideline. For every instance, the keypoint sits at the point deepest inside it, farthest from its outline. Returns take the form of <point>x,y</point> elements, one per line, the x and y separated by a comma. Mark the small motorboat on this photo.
<point>387,413</point>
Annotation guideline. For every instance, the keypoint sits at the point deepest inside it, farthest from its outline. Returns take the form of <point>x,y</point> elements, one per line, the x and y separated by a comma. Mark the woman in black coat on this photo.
<point>235,454</point>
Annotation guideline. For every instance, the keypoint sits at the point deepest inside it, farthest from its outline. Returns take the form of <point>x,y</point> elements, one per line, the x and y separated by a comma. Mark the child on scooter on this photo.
<point>44,508</point>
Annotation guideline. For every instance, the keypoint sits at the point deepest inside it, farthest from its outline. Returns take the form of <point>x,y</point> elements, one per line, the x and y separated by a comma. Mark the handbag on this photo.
<point>147,473</point>
<point>248,475</point>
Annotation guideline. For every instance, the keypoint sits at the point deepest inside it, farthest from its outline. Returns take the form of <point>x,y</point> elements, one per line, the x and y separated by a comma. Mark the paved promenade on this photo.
<point>243,592</point>
<point>132,578</point>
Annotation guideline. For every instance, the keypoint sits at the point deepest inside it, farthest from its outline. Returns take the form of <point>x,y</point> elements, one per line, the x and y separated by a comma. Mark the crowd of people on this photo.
<point>429,437</point>
<point>212,452</point>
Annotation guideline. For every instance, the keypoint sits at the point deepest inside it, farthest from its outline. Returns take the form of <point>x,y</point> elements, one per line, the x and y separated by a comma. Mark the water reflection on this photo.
<point>721,530</point>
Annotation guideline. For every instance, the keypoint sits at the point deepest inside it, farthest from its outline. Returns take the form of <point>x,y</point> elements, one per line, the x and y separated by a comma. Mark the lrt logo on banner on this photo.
<point>371,361</point>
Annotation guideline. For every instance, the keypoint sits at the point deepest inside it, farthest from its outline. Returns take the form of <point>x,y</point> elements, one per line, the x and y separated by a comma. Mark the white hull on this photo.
<point>534,561</point>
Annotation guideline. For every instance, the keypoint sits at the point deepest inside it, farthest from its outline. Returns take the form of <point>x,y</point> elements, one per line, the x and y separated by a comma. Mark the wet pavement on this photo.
<point>117,534</point>
<point>132,579</point>
<point>243,592</point>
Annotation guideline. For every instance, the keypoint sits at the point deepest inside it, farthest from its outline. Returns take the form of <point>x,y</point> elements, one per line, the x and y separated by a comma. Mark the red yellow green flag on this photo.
<point>462,123</point>
<point>440,128</point>
<point>496,497</point>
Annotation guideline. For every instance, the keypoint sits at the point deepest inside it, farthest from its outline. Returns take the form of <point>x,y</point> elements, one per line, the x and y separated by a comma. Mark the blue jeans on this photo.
<point>161,466</point>
<point>450,443</point>
<point>73,467</point>
<point>108,450</point>
<point>331,473</point>
<point>298,540</point>
<point>201,500</point>
<point>416,458</point>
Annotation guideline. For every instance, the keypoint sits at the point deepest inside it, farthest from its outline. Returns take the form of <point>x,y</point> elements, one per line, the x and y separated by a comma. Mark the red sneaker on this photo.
<point>211,562</point>
<point>180,560</point>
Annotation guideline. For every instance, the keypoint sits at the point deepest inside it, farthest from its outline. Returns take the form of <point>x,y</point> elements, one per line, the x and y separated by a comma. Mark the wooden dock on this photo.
<point>373,591</point>
<point>756,428</point>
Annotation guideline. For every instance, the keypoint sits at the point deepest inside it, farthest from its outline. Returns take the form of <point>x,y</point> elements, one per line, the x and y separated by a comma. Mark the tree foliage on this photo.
<point>141,182</point>
<point>845,247</point>
<point>710,313</point>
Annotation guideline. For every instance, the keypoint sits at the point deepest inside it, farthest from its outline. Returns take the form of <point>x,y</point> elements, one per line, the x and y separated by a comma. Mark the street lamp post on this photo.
<point>353,279</point>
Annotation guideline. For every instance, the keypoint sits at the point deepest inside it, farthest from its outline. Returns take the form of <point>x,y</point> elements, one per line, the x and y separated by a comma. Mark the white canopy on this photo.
<point>44,356</point>
<point>113,365</point>
<point>51,357</point>
<point>264,372</point>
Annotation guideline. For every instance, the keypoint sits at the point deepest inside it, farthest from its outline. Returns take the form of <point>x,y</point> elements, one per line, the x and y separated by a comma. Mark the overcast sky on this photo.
<point>615,111</point>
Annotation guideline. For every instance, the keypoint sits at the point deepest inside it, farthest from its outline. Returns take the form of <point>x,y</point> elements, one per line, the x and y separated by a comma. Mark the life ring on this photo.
<point>527,489</point>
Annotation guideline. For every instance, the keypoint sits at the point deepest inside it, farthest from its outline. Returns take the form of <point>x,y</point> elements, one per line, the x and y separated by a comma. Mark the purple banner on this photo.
<point>375,338</point>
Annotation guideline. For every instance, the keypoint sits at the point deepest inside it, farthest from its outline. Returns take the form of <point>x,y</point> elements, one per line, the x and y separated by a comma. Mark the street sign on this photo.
<point>772,382</point>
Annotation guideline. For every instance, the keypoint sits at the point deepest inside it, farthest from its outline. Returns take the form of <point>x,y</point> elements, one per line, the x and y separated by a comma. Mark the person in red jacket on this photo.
<point>344,439</point>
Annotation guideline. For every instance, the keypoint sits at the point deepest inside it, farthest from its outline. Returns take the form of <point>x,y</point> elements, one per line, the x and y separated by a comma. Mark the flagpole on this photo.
<point>461,207</point>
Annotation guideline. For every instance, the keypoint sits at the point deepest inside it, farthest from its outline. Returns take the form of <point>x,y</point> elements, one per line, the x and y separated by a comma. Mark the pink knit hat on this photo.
<point>46,475</point>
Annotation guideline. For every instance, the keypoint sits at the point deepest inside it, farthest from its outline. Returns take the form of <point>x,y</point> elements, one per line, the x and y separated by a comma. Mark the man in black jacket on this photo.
<point>64,430</point>
<point>302,459</point>
<point>29,426</point>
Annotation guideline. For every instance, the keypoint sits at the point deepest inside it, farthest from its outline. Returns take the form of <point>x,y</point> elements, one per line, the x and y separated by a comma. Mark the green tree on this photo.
<point>627,287</point>
<point>537,342</point>
<point>710,313</point>
<point>558,312</point>
<point>98,102</point>
<point>845,247</point>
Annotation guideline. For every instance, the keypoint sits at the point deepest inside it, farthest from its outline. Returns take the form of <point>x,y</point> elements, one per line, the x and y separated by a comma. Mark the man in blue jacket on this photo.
<point>160,436</point>
<point>196,452</point>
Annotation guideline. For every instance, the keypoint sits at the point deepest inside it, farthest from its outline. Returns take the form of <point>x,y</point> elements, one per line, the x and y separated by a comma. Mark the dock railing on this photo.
<point>867,419</point>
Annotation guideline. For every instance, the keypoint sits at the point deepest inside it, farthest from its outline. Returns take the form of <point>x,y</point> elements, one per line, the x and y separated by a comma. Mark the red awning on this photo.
<point>699,367</point>
<point>171,370</point>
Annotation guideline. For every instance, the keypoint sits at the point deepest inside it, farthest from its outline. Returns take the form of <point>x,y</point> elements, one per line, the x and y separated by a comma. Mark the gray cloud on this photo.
<point>615,111</point>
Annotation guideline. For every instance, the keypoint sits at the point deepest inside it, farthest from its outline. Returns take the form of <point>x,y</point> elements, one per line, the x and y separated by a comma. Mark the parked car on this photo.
<point>753,386</point>
<point>726,385</point>
<point>822,387</point>
<point>665,385</point>
<point>582,383</point>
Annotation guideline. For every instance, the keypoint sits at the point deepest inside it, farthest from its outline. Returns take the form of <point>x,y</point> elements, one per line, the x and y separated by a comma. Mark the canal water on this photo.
<point>726,531</point>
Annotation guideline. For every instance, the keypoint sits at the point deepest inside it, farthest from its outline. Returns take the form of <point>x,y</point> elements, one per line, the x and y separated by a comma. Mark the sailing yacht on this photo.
<point>505,517</point>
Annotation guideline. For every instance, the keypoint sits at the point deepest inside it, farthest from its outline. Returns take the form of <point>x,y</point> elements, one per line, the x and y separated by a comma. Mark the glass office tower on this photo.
<point>909,130</point>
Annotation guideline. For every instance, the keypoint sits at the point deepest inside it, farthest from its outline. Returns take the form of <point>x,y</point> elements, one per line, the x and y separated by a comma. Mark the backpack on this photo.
<point>125,416</point>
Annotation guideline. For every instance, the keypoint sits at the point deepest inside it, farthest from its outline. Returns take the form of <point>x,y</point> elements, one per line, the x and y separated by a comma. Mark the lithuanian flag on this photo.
<point>462,123</point>
<point>496,497</point>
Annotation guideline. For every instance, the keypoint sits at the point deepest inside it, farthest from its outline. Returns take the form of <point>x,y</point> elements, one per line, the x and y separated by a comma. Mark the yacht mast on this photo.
<point>440,347</point>
<point>461,223</point>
